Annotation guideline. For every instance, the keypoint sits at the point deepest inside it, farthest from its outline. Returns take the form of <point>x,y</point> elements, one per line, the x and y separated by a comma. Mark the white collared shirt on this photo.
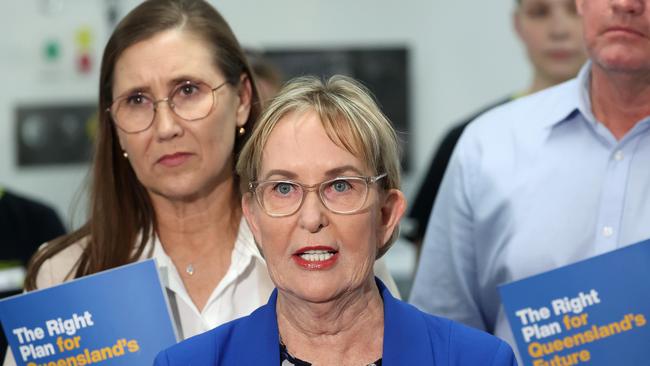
<point>245,286</point>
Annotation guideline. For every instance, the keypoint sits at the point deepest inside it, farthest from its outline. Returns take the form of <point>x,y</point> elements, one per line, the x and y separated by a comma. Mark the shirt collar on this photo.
<point>245,246</point>
<point>575,99</point>
<point>584,97</point>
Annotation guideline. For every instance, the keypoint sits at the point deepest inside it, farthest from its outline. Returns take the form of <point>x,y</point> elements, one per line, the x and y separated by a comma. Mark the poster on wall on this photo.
<point>593,312</point>
<point>383,70</point>
<point>116,317</point>
<point>58,134</point>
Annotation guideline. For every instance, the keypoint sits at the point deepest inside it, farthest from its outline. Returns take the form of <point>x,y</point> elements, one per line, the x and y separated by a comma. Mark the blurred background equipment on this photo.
<point>383,70</point>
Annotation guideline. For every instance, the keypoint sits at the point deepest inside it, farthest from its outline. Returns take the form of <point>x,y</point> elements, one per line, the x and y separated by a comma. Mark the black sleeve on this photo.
<point>25,224</point>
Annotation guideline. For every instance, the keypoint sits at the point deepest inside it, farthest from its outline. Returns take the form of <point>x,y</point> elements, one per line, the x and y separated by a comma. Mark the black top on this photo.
<point>25,225</point>
<point>425,198</point>
<point>287,360</point>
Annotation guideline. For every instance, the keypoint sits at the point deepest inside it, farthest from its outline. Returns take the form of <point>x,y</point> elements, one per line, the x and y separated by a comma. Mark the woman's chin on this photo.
<point>316,293</point>
<point>180,191</point>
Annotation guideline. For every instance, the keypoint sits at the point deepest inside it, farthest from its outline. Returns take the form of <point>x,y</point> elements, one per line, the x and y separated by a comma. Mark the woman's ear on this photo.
<point>247,203</point>
<point>245,94</point>
<point>392,210</point>
<point>580,4</point>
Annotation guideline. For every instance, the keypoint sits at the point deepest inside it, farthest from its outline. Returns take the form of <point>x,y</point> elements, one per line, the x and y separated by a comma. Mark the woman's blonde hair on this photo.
<point>351,118</point>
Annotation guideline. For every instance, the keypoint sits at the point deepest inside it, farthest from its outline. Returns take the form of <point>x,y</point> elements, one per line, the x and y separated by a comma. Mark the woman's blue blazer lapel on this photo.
<point>406,336</point>
<point>257,338</point>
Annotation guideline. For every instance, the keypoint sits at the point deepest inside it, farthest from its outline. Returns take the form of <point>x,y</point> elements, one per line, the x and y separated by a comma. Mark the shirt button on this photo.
<point>608,231</point>
<point>619,155</point>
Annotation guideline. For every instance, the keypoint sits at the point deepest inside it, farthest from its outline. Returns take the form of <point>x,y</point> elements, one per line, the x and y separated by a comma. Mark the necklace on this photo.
<point>189,269</point>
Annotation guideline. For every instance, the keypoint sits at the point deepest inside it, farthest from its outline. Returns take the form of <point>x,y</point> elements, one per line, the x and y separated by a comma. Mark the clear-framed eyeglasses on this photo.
<point>341,195</point>
<point>189,100</point>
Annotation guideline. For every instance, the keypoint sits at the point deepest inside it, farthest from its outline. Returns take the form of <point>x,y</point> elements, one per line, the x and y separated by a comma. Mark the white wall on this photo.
<point>28,79</point>
<point>463,56</point>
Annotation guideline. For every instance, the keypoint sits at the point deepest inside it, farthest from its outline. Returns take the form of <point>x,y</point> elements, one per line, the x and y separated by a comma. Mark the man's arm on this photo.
<point>446,281</point>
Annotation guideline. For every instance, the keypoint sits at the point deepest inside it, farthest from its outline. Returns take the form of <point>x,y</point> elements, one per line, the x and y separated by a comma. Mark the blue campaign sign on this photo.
<point>591,312</point>
<point>116,317</point>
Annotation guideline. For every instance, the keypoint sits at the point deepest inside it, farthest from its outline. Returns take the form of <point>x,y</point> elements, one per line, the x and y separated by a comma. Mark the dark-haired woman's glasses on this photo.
<point>190,101</point>
<point>342,195</point>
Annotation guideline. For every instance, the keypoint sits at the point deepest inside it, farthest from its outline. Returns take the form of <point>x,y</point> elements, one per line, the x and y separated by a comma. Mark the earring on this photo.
<point>241,131</point>
<point>125,154</point>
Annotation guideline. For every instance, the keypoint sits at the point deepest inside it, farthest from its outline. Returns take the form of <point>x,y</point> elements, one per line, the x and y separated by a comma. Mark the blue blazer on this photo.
<point>411,337</point>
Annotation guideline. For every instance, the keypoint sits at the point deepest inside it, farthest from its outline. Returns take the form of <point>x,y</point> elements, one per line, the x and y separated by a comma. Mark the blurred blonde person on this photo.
<point>551,32</point>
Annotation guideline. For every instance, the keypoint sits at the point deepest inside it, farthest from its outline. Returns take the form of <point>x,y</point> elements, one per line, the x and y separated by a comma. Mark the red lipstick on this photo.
<point>316,257</point>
